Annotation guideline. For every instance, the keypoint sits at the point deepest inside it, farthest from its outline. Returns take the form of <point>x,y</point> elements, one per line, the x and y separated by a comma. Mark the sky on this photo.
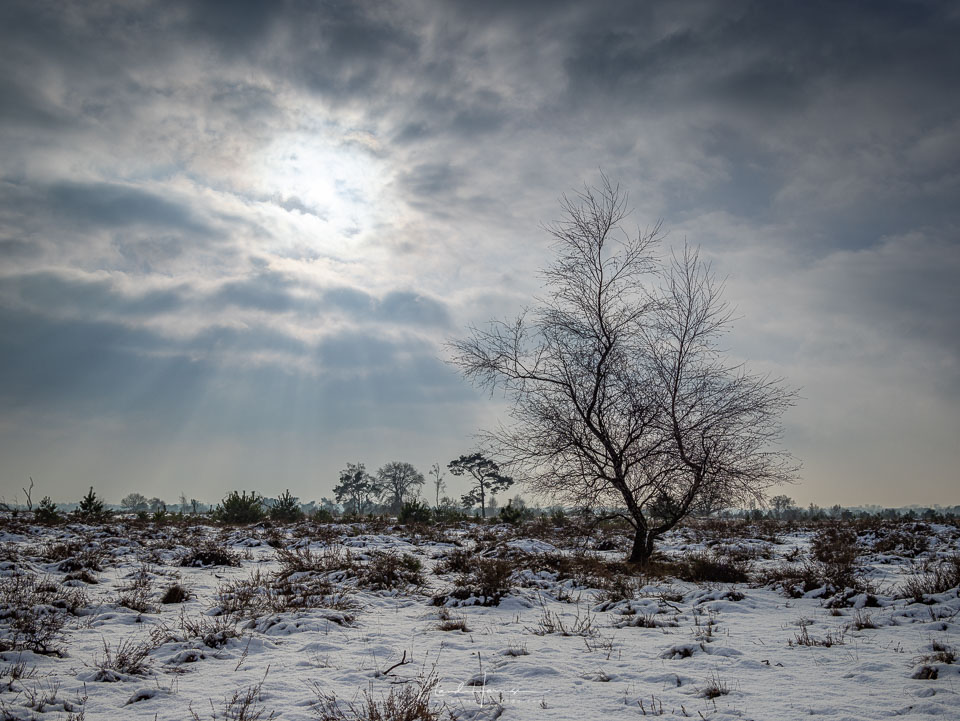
<point>235,236</point>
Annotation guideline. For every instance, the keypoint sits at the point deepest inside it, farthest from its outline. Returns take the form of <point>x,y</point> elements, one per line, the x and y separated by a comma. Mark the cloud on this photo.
<point>287,205</point>
<point>110,205</point>
<point>54,293</point>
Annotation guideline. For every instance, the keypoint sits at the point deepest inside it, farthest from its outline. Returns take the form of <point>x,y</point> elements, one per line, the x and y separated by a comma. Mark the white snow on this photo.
<point>660,652</point>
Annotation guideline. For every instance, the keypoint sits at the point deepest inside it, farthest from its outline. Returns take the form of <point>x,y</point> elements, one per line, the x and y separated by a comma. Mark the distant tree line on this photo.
<point>396,489</point>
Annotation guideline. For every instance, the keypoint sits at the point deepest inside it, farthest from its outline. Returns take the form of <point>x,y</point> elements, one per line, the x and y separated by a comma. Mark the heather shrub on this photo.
<point>387,571</point>
<point>931,579</point>
<point>176,593</point>
<point>209,553</point>
<point>488,581</point>
<point>709,568</point>
<point>34,611</point>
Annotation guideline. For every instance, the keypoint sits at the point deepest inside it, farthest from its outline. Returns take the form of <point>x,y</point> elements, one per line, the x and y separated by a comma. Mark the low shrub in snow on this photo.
<point>409,702</point>
<point>386,571</point>
<point>207,552</point>
<point>34,611</point>
<point>931,579</point>
<point>127,658</point>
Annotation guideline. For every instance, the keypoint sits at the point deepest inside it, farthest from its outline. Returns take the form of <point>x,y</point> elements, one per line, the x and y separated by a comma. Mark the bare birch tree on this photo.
<point>621,396</point>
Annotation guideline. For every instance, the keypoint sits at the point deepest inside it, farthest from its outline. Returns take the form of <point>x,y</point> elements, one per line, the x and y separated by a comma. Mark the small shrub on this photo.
<point>177,593</point>
<point>862,620</point>
<point>409,702</point>
<point>488,581</point>
<point>459,560</point>
<point>33,613</point>
<point>74,556</point>
<point>387,571</point>
<point>706,568</point>
<point>491,579</point>
<point>514,515</point>
<point>128,658</point>
<point>715,688</point>
<point>91,508</point>
<point>240,508</point>
<point>645,620</point>
<point>803,637</point>
<point>47,512</point>
<point>136,596</point>
<point>286,508</point>
<point>836,548</point>
<point>242,705</point>
<point>940,653</point>
<point>550,623</point>
<point>516,649</point>
<point>415,512</point>
<point>213,631</point>
<point>584,569</point>
<point>311,592</point>
<point>617,588</point>
<point>209,553</point>
<point>454,624</point>
<point>940,578</point>
<point>795,581</point>
<point>243,595</point>
<point>902,541</point>
<point>327,560</point>
<point>136,599</point>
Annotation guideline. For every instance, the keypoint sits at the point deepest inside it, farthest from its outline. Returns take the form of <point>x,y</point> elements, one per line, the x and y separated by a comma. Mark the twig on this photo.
<point>402,662</point>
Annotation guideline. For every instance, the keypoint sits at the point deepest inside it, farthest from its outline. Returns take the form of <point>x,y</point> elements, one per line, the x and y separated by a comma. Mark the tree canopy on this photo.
<point>621,396</point>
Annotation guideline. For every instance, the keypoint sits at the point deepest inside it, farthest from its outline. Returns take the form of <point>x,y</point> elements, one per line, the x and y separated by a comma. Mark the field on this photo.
<point>734,620</point>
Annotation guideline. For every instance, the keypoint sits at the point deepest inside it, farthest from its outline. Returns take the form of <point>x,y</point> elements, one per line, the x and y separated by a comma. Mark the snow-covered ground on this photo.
<point>343,618</point>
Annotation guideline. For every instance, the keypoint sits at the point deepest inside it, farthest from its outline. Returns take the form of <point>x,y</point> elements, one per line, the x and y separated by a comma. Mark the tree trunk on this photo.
<point>642,547</point>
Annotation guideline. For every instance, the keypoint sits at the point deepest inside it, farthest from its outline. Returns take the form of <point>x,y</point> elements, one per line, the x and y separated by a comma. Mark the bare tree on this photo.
<point>134,502</point>
<point>781,504</point>
<point>438,483</point>
<point>398,482</point>
<point>621,396</point>
<point>28,492</point>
